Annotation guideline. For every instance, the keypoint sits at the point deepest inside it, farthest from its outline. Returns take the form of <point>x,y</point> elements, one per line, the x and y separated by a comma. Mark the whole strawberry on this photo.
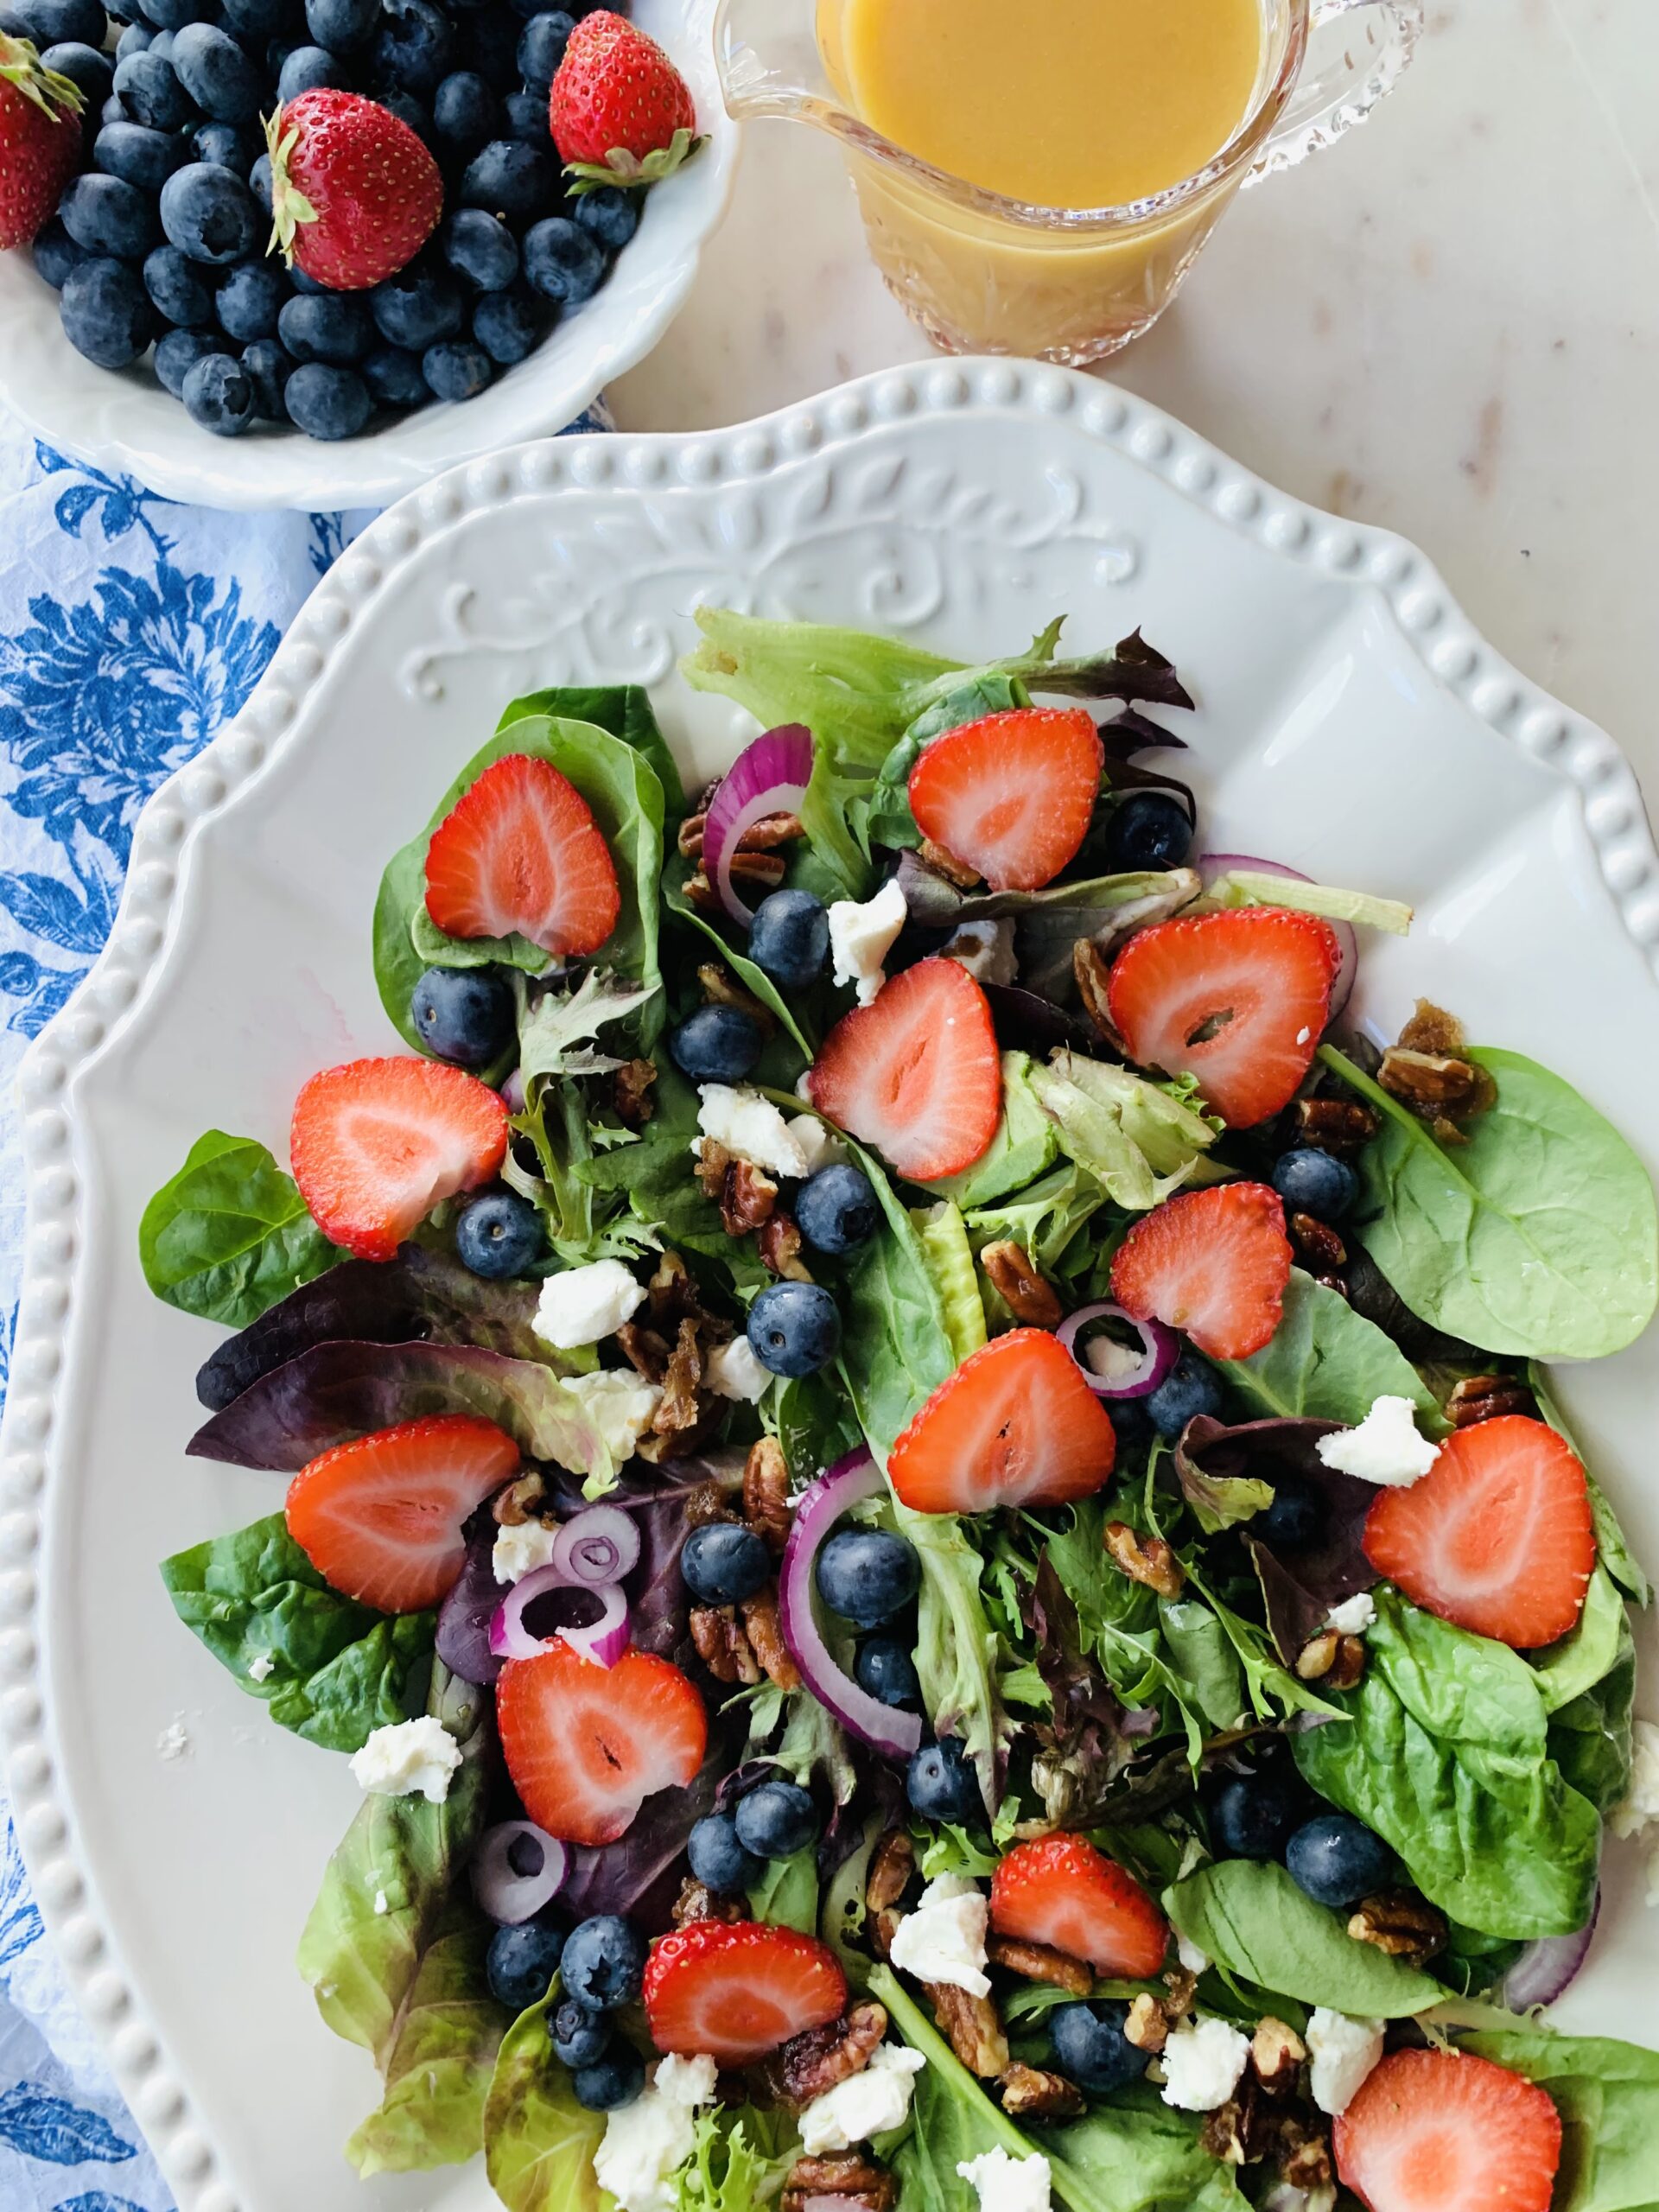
<point>620,110</point>
<point>354,194</point>
<point>39,139</point>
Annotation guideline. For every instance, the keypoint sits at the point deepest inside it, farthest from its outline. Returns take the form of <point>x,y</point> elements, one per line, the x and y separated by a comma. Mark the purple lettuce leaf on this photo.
<point>463,1639</point>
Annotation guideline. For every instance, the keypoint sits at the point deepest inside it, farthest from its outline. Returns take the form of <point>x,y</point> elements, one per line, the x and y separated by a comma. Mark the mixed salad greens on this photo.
<point>925,1496</point>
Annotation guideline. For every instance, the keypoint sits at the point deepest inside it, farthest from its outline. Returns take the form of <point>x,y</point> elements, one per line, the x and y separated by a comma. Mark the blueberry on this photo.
<point>884,1670</point>
<point>177,353</point>
<point>613,2081</point>
<point>500,1236</point>
<point>83,66</point>
<point>310,69</point>
<point>333,326</point>
<point>56,254</point>
<point>866,1575</point>
<point>1315,1182</point>
<point>541,49</point>
<point>718,1043</point>
<point>835,1210</point>
<point>526,114</point>
<point>408,109</point>
<point>456,369</point>
<point>1151,829</point>
<point>394,378</point>
<point>419,307</point>
<point>489,44</point>
<point>254,20</point>
<point>227,147</point>
<point>66,22</point>
<point>141,157</point>
<point>479,250</point>
<point>789,937</point>
<point>219,76</point>
<point>412,47</point>
<point>151,94</point>
<point>718,1860</point>
<point>604,1958</point>
<point>1337,1861</point>
<point>106,312</point>
<point>562,261</point>
<point>723,1563</point>
<point>1253,1815</point>
<point>161,45</point>
<point>250,299</point>
<point>521,1961</point>
<point>509,325</point>
<point>259,184</point>
<point>339,25</point>
<point>1295,1520</point>
<point>1091,2047</point>
<point>794,1329</point>
<point>210,214</point>
<point>1192,1386</point>
<point>218,394</point>
<point>104,214</point>
<point>941,1784</point>
<point>776,1819</point>
<point>174,14</point>
<point>326,402</point>
<point>466,113</point>
<point>580,2038</point>
<point>269,367</point>
<point>133,40</point>
<point>515,182</point>
<point>612,216</point>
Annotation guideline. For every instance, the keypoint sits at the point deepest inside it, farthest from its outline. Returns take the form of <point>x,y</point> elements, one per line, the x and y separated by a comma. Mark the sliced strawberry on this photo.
<point>915,1073</point>
<point>380,1518</point>
<point>1443,2130</point>
<point>586,1745</point>
<point>519,850</point>
<point>1061,1891</point>
<point>1213,1263</point>
<point>1238,1000</point>
<point>1498,1536</point>
<point>1012,795</point>
<point>739,1991</point>
<point>375,1144</point>
<point>1015,1425</point>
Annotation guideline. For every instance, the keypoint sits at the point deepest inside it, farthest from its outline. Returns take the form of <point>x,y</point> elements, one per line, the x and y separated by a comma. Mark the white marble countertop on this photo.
<point>1448,324</point>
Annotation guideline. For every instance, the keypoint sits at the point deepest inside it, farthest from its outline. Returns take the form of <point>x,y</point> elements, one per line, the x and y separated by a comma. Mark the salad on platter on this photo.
<point>925,1490</point>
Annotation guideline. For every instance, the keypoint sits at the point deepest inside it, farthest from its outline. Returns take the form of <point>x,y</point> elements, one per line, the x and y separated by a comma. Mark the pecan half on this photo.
<point>851,2177</point>
<point>1145,1559</point>
<point>511,1507</point>
<point>1401,1924</point>
<point>1432,1029</point>
<point>1438,1088</point>
<point>1336,1662</point>
<point>707,1502</point>
<point>1343,1126</point>
<point>681,1379</point>
<point>811,2064</point>
<point>763,1628</point>
<point>1318,1245</point>
<point>893,1863</point>
<point>758,873</point>
<point>766,1492</point>
<point>1028,1296</point>
<point>1276,2053</point>
<point>721,987</point>
<point>672,1295</point>
<point>1303,2156</point>
<point>749,1197</point>
<point>781,1248</point>
<point>690,837</point>
<point>970,2026</point>
<point>947,865</point>
<point>1182,1985</point>
<point>722,1646</point>
<point>696,1901</point>
<point>631,1093</point>
<point>712,1161</point>
<point>646,1352</point>
<point>1486,1397</point>
<point>1092,969</point>
<point>1038,1963</point>
<point>1148,2025</point>
<point>1029,2091</point>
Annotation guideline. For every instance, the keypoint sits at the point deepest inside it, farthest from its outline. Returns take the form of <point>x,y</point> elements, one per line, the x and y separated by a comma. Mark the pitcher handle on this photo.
<point>1342,78</point>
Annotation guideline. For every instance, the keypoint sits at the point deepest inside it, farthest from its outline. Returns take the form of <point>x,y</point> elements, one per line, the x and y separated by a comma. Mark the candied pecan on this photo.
<point>722,1646</point>
<point>884,1926</point>
<point>758,872</point>
<point>971,2028</point>
<point>721,987</point>
<point>749,1197</point>
<point>1432,1029</point>
<point>947,865</point>
<point>1030,2092</point>
<point>1401,1924</point>
<point>1241,2132</point>
<point>1039,1962</point>
<point>1486,1397</point>
<point>689,840</point>
<point>707,1502</point>
<point>511,1507</point>
<point>850,2176</point>
<point>763,1626</point>
<point>1333,1282</point>
<point>893,1863</point>
<point>1304,2158</point>
<point>682,1377</point>
<point>712,1161</point>
<point>670,1293</point>
<point>1276,2053</point>
<point>814,2061</point>
<point>630,1092</point>
<point>1090,968</point>
<point>1017,1283</point>
<point>770,832</point>
<point>1145,1559</point>
<point>781,1248</point>
<point>1336,1661</point>
<point>696,1901</point>
<point>766,1492</point>
<point>1148,2025</point>
<point>1319,1248</point>
<point>645,1351</point>
<point>1343,1126</point>
<point>1182,1985</point>
<point>1439,1089</point>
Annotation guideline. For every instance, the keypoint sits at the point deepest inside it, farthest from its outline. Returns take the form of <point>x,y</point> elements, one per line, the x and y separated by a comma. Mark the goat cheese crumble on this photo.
<point>733,1371</point>
<point>751,1127</point>
<point>1343,2051</point>
<point>1006,2185</point>
<point>862,935</point>
<point>1204,2063</point>
<point>520,1551</point>
<point>1353,1616</point>
<point>407,1756</point>
<point>581,1304</point>
<point>985,950</point>
<point>620,1403</point>
<point>647,2142</point>
<point>1385,1448</point>
<point>944,1940</point>
<point>869,2103</point>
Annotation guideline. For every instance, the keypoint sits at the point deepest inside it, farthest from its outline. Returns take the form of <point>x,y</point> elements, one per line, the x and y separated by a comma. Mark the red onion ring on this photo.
<point>768,777</point>
<point>597,1546</point>
<point>505,1894</point>
<point>603,1641</point>
<point>1544,1969</point>
<point>895,1735</point>
<point>1160,1349</point>
<point>1211,865</point>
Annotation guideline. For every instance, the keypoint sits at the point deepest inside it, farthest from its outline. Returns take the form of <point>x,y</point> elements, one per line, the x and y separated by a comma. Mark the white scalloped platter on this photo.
<point>1350,722</point>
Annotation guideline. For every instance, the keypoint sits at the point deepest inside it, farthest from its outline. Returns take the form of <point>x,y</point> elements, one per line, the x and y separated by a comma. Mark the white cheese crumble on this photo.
<point>1110,1360</point>
<point>751,1127</point>
<point>1640,1811</point>
<point>1204,2063</point>
<point>733,1371</point>
<point>860,937</point>
<point>1343,2051</point>
<point>1385,1448</point>
<point>1353,1616</point>
<point>620,1404</point>
<point>866,2104</point>
<point>519,1552</point>
<point>944,1940</point>
<point>985,950</point>
<point>1006,2185</point>
<point>382,1903</point>
<point>581,1304</point>
<point>407,1756</point>
<point>647,2142</point>
<point>820,1146</point>
<point>261,1667</point>
<point>1194,1960</point>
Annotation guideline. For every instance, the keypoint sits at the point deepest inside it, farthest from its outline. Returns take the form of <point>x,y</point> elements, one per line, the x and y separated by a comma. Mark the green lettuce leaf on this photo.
<point>538,2142</point>
<point>787,1892</point>
<point>1025,1144</point>
<point>230,1235</point>
<point>896,1345</point>
<point>624,709</point>
<point>1045,1217</point>
<point>1617,1556</point>
<point>1607,2094</point>
<point>1251,1918</point>
<point>1242,887</point>
<point>439,2068</point>
<point>1120,1128</point>
<point>740,2161</point>
<point>1324,1361</point>
<point>1590,1736</point>
<point>888,818</point>
<point>950,1258</point>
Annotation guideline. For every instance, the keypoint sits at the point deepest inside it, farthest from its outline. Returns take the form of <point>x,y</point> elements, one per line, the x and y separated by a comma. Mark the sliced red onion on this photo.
<point>769,777</point>
<point>1544,1969</point>
<point>603,1640</point>
<point>517,1869</point>
<point>895,1735</point>
<point>1211,865</point>
<point>1160,1350</point>
<point>513,1092</point>
<point>600,1545</point>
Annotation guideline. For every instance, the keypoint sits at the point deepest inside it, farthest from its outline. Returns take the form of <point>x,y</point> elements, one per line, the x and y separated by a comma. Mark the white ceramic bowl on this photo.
<point>1348,720</point>
<point>123,422</point>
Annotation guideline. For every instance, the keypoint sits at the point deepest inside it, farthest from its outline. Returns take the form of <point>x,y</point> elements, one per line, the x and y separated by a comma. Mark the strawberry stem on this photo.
<point>625,171</point>
<point>56,96</point>
<point>289,207</point>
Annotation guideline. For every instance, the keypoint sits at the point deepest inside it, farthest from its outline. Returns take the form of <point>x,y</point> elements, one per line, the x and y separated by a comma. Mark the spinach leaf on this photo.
<point>896,1347</point>
<point>1538,1237</point>
<point>1252,1919</point>
<point>787,1892</point>
<point>230,1235</point>
<point>1617,1556</point>
<point>1587,1655</point>
<point>754,979</point>
<point>1607,2094</point>
<point>624,710</point>
<point>538,2141</point>
<point>1590,1737</point>
<point>1202,1654</point>
<point>890,821</point>
<point>952,2119</point>
<point>1448,1759</point>
<point>1025,1144</point>
<point>814,1424</point>
<point>1133,2153</point>
<point>1328,1363</point>
<point>338,1670</point>
<point>438,2070</point>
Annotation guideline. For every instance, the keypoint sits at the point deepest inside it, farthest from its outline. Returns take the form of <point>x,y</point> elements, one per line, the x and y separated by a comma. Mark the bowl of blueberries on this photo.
<point>310,253</point>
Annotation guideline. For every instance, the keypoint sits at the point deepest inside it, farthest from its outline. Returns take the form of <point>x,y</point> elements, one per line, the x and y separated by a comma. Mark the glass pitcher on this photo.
<point>985,274</point>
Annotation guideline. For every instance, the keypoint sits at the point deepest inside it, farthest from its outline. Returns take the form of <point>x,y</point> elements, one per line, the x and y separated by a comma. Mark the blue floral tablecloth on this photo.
<point>129,630</point>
